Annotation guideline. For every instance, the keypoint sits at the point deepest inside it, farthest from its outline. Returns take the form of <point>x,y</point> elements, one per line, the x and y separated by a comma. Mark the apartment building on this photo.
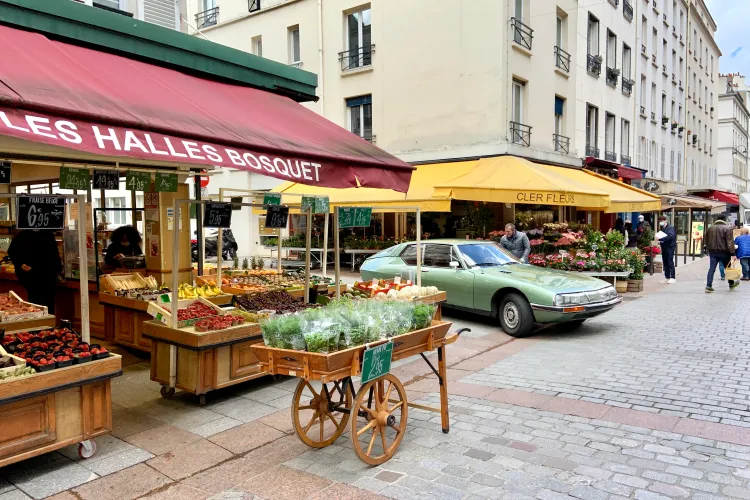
<point>162,12</point>
<point>605,109</point>
<point>427,81</point>
<point>732,140</point>
<point>661,123</point>
<point>701,160</point>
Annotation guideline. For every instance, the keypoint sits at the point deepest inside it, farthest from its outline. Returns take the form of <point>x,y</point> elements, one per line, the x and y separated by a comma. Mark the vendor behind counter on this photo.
<point>125,242</point>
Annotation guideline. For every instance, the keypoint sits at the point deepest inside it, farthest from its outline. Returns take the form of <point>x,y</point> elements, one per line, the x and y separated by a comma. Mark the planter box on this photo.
<point>622,286</point>
<point>635,285</point>
<point>658,267</point>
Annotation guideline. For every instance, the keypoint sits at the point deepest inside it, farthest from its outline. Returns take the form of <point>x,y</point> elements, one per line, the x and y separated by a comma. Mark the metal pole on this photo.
<point>278,251</point>
<point>175,298</point>
<point>419,248</point>
<point>83,266</point>
<point>199,224</point>
<point>308,238</point>
<point>690,234</point>
<point>325,244</point>
<point>336,263</point>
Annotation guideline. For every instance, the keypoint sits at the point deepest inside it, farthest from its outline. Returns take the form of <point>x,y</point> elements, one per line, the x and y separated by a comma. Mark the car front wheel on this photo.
<point>516,317</point>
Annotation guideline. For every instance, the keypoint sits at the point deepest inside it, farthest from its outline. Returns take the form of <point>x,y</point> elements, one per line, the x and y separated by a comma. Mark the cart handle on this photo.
<point>451,339</point>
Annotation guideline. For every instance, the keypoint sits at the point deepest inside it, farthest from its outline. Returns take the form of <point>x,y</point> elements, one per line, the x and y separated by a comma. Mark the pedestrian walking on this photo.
<point>516,242</point>
<point>668,247</point>
<point>742,242</point>
<point>720,247</point>
<point>642,227</point>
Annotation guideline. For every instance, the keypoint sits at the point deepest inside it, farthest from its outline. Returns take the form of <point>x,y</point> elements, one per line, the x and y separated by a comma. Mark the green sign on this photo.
<point>354,217</point>
<point>376,362</point>
<point>272,199</point>
<point>166,183</point>
<point>308,202</point>
<point>74,178</point>
<point>321,205</point>
<point>137,181</point>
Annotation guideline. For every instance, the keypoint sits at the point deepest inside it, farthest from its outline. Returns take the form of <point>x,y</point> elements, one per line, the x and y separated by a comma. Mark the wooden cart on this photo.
<point>325,397</point>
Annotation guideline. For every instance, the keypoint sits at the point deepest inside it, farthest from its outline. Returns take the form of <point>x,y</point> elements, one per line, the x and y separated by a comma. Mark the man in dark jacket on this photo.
<point>37,261</point>
<point>516,243</point>
<point>668,248</point>
<point>720,247</point>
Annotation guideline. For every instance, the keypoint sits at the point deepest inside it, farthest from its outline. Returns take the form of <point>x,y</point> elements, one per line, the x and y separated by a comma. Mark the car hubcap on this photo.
<point>510,315</point>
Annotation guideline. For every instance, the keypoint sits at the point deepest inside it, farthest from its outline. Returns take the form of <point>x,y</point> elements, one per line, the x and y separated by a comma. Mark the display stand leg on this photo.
<point>325,246</point>
<point>336,263</point>
<point>308,240</point>
<point>443,371</point>
<point>83,270</point>
<point>278,253</point>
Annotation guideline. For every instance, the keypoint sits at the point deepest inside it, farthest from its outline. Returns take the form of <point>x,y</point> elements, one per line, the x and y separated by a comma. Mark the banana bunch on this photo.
<point>186,291</point>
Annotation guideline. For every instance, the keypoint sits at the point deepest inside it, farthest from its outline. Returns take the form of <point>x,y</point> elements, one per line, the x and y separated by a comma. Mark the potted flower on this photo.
<point>680,128</point>
<point>674,125</point>
<point>636,262</point>
<point>664,120</point>
<point>598,58</point>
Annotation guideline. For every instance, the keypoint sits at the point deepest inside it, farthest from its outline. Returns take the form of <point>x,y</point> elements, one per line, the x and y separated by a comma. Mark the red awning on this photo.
<point>722,196</point>
<point>629,172</point>
<point>83,99</point>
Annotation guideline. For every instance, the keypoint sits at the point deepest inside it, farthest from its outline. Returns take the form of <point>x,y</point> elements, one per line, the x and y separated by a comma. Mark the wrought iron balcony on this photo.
<point>356,58</point>
<point>592,151</point>
<point>207,18</point>
<point>253,5</point>
<point>561,143</point>
<point>625,160</point>
<point>613,75</point>
<point>522,34</point>
<point>627,87</point>
<point>610,156</point>
<point>627,10</point>
<point>371,138</point>
<point>643,111</point>
<point>562,59</point>
<point>594,64</point>
<point>520,134</point>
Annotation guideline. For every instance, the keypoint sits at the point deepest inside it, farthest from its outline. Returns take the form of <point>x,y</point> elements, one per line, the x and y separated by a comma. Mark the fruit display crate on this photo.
<point>13,314</point>
<point>50,410</point>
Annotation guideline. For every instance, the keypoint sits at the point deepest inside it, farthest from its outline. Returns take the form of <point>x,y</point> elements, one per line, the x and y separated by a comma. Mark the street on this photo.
<point>648,401</point>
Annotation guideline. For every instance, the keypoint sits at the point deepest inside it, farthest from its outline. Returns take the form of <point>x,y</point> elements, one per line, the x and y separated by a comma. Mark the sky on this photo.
<point>731,18</point>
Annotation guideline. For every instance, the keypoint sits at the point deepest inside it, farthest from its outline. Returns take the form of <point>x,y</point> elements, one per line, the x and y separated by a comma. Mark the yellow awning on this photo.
<point>622,197</point>
<point>509,179</point>
<point>420,190</point>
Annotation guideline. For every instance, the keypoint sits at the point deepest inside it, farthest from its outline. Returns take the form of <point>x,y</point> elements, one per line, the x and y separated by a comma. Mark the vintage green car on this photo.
<point>481,277</point>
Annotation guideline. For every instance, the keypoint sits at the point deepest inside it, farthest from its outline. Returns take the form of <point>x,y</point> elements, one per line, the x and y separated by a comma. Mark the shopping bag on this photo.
<point>733,272</point>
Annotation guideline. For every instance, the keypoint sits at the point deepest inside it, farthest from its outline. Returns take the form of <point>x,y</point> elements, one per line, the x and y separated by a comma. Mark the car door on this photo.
<point>458,282</point>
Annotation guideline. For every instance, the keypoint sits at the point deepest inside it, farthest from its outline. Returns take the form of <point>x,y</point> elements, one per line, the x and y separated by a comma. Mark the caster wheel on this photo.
<point>202,400</point>
<point>167,392</point>
<point>86,449</point>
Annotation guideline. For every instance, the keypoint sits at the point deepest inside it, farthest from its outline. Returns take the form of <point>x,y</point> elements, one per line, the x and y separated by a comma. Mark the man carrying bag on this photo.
<point>720,247</point>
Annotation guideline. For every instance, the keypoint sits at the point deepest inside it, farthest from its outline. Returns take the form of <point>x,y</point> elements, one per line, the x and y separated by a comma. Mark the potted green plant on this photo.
<point>636,263</point>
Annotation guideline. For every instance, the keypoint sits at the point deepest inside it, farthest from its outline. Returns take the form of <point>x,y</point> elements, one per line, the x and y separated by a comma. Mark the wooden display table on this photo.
<point>204,361</point>
<point>124,318</point>
<point>50,410</point>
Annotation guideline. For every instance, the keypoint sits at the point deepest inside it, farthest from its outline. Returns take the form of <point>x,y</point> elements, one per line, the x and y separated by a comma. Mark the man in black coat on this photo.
<point>37,261</point>
<point>668,248</point>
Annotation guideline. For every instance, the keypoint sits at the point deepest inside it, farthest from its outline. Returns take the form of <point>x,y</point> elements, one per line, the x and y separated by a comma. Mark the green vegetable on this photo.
<point>422,316</point>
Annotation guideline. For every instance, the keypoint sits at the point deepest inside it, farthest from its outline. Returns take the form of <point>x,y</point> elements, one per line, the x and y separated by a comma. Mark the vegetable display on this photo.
<point>218,323</point>
<point>281,302</point>
<point>344,324</point>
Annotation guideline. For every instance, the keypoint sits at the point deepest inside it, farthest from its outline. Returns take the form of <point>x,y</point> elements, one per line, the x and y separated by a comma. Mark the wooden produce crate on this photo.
<point>23,316</point>
<point>348,362</point>
<point>163,311</point>
<point>111,283</point>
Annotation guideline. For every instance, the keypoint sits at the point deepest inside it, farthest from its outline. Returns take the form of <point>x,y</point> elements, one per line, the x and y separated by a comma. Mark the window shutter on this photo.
<point>358,101</point>
<point>161,12</point>
<point>559,106</point>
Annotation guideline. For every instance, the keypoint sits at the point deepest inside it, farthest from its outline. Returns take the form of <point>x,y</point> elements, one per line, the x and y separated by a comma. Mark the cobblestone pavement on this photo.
<point>645,402</point>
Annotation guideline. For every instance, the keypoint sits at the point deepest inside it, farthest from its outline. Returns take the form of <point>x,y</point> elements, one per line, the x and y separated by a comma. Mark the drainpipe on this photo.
<point>685,139</point>
<point>321,71</point>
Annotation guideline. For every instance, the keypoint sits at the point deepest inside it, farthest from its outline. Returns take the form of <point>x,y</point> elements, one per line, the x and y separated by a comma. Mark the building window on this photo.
<point>612,72</point>
<point>671,165</point>
<point>209,16</point>
<point>663,161</point>
<point>643,95</point>
<point>609,137</point>
<point>562,58</point>
<point>520,133</point>
<point>257,42</point>
<point>654,40</point>
<point>679,167</point>
<point>523,35</point>
<point>559,140</point>
<point>653,102</point>
<point>625,142</point>
<point>360,116</point>
<point>592,41</point>
<point>253,5</point>
<point>644,30</point>
<point>359,46</point>
<point>653,157</point>
<point>664,117</point>
<point>294,48</point>
<point>592,131</point>
<point>114,217</point>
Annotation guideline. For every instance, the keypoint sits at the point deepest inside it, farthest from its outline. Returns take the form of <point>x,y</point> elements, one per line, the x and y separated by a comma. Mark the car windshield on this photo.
<point>485,255</point>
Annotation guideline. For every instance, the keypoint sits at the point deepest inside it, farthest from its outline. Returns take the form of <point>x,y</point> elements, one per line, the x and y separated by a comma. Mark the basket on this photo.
<point>733,272</point>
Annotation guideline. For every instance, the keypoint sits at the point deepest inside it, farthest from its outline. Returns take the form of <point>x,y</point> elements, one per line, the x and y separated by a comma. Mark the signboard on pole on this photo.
<point>41,212</point>
<point>354,217</point>
<point>74,178</point>
<point>376,362</point>
<point>166,183</point>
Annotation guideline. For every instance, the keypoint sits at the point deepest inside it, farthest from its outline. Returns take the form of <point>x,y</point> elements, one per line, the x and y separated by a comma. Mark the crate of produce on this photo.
<point>12,366</point>
<point>113,283</point>
<point>281,302</point>
<point>188,311</point>
<point>13,308</point>
<point>48,348</point>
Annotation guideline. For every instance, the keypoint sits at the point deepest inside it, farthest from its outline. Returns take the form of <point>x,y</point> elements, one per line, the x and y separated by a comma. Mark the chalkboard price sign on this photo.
<point>137,181</point>
<point>272,199</point>
<point>107,179</point>
<point>41,212</point>
<point>322,205</point>
<point>217,215</point>
<point>74,178</point>
<point>308,202</point>
<point>277,216</point>
<point>5,167</point>
<point>165,183</point>
<point>354,217</point>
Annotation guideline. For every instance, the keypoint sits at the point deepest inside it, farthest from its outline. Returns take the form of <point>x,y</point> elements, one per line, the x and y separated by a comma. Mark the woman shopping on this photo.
<point>124,242</point>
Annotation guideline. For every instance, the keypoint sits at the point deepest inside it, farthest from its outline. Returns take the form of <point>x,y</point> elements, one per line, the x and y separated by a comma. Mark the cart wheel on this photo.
<point>380,409</point>
<point>167,392</point>
<point>316,413</point>
<point>86,449</point>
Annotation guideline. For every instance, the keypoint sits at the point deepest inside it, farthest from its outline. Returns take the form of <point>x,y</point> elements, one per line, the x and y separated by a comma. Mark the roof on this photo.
<point>99,29</point>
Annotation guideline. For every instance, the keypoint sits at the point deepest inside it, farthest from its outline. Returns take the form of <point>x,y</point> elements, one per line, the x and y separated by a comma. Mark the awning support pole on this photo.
<point>199,224</point>
<point>83,269</point>
<point>325,245</point>
<point>419,247</point>
<point>336,263</point>
<point>308,238</point>
<point>175,295</point>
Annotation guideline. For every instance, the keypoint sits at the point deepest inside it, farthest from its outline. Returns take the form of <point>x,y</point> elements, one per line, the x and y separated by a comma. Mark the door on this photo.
<point>458,283</point>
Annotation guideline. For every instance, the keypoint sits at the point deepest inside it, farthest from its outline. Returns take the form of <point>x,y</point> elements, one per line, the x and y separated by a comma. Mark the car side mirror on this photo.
<point>454,265</point>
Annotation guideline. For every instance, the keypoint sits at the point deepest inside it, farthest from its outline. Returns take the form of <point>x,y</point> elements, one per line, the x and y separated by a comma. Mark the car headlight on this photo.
<point>581,298</point>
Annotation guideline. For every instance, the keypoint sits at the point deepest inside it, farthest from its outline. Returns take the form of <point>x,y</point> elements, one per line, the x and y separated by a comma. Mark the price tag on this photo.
<point>308,202</point>
<point>322,205</point>
<point>74,178</point>
<point>5,168</point>
<point>354,217</point>
<point>107,179</point>
<point>397,280</point>
<point>376,362</point>
<point>277,216</point>
<point>272,199</point>
<point>137,181</point>
<point>165,183</point>
<point>217,215</point>
<point>374,283</point>
<point>41,212</point>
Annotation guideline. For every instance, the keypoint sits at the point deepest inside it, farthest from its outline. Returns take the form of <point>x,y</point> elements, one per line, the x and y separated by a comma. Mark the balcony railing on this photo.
<point>562,59</point>
<point>371,138</point>
<point>613,75</point>
<point>625,160</point>
<point>253,5</point>
<point>643,111</point>
<point>594,64</point>
<point>207,18</point>
<point>356,58</point>
<point>610,156</point>
<point>520,134</point>
<point>627,10</point>
<point>653,116</point>
<point>627,87</point>
<point>522,34</point>
<point>592,151</point>
<point>561,143</point>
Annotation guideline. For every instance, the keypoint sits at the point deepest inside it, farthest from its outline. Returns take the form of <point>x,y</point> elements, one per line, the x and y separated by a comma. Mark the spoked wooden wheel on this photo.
<point>379,421</point>
<point>316,411</point>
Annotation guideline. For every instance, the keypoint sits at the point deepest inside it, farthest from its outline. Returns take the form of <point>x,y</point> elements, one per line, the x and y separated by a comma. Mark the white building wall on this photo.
<point>732,143</point>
